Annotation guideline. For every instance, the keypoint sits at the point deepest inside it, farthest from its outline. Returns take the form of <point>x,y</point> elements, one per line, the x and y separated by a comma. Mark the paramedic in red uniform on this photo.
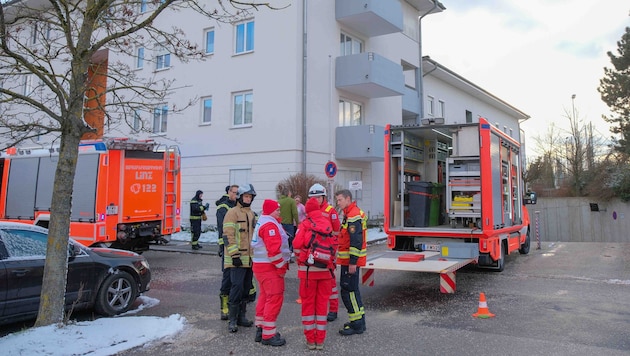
<point>315,282</point>
<point>351,256</point>
<point>270,245</point>
<point>319,192</point>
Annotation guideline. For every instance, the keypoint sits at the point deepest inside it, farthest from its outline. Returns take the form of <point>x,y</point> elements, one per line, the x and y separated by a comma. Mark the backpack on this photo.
<point>320,251</point>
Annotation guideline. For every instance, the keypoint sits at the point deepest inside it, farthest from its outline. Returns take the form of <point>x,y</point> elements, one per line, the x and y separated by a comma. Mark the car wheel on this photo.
<point>116,294</point>
<point>524,249</point>
<point>501,261</point>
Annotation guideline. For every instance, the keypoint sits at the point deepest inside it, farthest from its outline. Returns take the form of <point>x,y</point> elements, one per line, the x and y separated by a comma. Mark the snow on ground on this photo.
<point>104,336</point>
<point>108,336</point>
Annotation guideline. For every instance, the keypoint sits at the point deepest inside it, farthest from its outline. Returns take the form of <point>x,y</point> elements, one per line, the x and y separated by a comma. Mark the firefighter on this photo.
<point>316,277</point>
<point>351,256</point>
<point>319,192</point>
<point>238,228</point>
<point>197,209</point>
<point>271,256</point>
<point>225,203</point>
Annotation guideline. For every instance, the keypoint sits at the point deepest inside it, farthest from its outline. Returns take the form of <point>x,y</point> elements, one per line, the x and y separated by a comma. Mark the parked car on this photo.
<point>107,280</point>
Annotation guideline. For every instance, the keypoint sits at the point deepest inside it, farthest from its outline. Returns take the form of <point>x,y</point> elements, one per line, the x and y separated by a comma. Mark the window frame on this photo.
<point>204,112</point>
<point>430,105</point>
<point>353,42</point>
<point>348,120</point>
<point>162,58</point>
<point>139,57</point>
<point>137,121</point>
<point>206,33</point>
<point>249,30</point>
<point>242,111</point>
<point>160,113</point>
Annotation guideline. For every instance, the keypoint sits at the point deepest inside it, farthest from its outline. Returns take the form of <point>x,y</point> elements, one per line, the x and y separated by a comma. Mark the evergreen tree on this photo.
<point>614,88</point>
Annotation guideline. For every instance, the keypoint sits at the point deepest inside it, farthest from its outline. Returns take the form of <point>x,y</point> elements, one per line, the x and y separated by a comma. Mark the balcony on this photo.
<point>410,103</point>
<point>369,75</point>
<point>370,17</point>
<point>359,143</point>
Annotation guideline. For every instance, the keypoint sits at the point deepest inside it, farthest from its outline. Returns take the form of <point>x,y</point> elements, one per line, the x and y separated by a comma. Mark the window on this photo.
<point>244,37</point>
<point>25,243</point>
<point>143,5</point>
<point>468,117</point>
<point>240,176</point>
<point>349,45</point>
<point>137,121</point>
<point>162,58</point>
<point>350,113</point>
<point>431,106</point>
<point>160,116</point>
<point>442,107</point>
<point>206,116</point>
<point>34,31</point>
<point>27,84</point>
<point>210,41</point>
<point>243,108</point>
<point>140,58</point>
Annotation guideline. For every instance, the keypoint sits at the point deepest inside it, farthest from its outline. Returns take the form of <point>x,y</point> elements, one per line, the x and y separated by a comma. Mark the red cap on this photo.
<point>269,206</point>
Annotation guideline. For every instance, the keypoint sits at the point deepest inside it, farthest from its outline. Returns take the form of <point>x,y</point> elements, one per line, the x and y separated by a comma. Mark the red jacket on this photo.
<point>270,245</point>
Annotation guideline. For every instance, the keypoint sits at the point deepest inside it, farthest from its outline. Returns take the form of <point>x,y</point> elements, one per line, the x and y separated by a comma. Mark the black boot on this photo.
<point>233,317</point>
<point>258,337</point>
<point>242,317</point>
<point>275,340</point>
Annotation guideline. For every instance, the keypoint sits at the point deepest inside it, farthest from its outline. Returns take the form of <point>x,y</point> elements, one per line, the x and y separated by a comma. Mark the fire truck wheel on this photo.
<point>116,294</point>
<point>524,249</point>
<point>501,260</point>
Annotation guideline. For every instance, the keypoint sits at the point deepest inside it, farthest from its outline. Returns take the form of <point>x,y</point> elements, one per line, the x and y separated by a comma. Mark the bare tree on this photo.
<point>57,79</point>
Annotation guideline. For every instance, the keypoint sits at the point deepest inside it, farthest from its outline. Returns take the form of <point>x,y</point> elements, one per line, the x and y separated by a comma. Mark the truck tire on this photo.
<point>116,294</point>
<point>501,260</point>
<point>524,249</point>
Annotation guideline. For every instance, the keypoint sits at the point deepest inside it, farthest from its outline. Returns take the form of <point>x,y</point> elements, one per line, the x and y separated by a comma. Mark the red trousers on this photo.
<point>315,294</point>
<point>270,299</point>
<point>334,298</point>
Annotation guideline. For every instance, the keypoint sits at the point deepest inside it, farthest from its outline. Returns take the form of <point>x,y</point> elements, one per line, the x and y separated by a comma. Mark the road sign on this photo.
<point>330,169</point>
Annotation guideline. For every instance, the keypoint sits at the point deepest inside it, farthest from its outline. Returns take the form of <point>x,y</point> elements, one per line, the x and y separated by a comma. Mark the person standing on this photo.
<point>300,209</point>
<point>316,275</point>
<point>238,228</point>
<point>351,256</point>
<point>225,203</point>
<point>288,213</point>
<point>196,211</point>
<point>318,192</point>
<point>271,256</point>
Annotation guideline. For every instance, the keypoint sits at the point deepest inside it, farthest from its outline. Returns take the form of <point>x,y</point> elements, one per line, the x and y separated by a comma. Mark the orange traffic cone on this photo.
<point>482,311</point>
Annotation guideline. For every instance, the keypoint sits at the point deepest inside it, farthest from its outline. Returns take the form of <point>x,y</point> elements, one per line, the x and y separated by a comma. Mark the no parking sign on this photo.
<point>330,169</point>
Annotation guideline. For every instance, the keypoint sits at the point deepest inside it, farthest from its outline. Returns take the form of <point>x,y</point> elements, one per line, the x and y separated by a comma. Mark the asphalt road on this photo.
<point>565,299</point>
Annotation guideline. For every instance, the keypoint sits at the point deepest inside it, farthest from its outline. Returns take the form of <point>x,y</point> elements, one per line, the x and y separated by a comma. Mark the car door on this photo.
<point>24,266</point>
<point>82,281</point>
<point>3,285</point>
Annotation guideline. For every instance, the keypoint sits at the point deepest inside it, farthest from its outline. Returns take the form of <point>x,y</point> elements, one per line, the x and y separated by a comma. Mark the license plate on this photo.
<point>431,247</point>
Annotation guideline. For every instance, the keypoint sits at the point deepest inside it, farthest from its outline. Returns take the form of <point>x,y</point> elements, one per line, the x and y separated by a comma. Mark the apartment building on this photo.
<point>285,91</point>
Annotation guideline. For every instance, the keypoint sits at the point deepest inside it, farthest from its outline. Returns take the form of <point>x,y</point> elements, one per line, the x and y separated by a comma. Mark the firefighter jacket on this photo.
<point>223,205</point>
<point>196,208</point>
<point>238,228</point>
<point>270,245</point>
<point>353,237</point>
<point>315,221</point>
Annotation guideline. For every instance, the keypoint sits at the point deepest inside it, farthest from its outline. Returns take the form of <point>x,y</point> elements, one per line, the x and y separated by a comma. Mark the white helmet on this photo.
<point>317,190</point>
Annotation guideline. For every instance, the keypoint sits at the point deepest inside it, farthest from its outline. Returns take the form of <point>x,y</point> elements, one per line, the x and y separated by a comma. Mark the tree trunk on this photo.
<point>51,308</point>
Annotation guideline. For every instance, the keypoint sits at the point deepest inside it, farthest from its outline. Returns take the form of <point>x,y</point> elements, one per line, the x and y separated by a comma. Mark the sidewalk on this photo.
<point>184,247</point>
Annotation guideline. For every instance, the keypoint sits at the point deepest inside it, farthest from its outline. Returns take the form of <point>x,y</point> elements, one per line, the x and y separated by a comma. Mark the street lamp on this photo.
<point>573,105</point>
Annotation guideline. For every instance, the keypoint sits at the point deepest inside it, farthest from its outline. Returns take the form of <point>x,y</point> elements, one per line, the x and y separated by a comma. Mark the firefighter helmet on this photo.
<point>246,189</point>
<point>317,190</point>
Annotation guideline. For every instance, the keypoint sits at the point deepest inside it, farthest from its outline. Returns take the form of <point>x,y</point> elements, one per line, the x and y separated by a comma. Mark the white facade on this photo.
<point>291,75</point>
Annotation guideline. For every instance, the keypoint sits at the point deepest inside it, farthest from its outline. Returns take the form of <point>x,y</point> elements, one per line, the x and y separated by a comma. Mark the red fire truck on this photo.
<point>126,193</point>
<point>454,195</point>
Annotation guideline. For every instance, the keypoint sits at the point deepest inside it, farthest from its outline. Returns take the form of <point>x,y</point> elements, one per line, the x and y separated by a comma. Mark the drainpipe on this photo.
<point>304,37</point>
<point>419,75</point>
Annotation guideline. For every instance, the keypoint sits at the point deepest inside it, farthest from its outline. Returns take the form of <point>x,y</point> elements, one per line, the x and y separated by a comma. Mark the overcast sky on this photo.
<point>533,54</point>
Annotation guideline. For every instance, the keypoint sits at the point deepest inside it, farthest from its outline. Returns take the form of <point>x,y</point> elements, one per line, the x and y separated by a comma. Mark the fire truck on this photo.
<point>454,196</point>
<point>126,193</point>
